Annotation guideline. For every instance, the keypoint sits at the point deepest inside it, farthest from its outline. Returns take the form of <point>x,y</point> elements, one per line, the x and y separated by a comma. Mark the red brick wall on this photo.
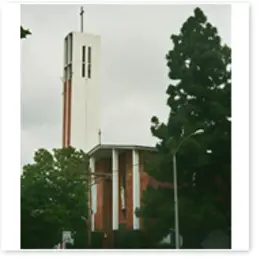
<point>104,196</point>
<point>144,181</point>
<point>104,193</point>
<point>107,205</point>
<point>129,190</point>
<point>99,214</point>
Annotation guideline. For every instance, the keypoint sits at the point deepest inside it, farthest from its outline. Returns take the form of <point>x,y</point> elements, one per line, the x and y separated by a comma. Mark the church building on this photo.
<point>118,169</point>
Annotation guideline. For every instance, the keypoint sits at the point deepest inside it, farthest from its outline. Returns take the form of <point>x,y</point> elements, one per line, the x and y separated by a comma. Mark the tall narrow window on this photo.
<point>70,48</point>
<point>69,43</point>
<point>83,70</point>
<point>70,71</point>
<point>89,54</point>
<point>83,53</point>
<point>65,74</point>
<point>66,51</point>
<point>89,71</point>
<point>89,62</point>
<point>83,60</point>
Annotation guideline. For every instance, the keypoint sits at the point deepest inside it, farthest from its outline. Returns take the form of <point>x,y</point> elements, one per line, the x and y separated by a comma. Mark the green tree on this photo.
<point>24,32</point>
<point>54,196</point>
<point>199,97</point>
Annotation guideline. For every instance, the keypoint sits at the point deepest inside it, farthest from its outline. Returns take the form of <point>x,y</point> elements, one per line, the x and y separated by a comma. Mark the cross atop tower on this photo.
<point>99,136</point>
<point>81,111</point>
<point>81,18</point>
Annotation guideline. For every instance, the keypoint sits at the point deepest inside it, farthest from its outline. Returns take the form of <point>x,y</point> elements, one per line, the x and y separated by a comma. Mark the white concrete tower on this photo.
<point>81,115</point>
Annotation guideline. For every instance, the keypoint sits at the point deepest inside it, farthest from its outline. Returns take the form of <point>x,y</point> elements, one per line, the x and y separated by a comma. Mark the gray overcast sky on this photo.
<point>134,42</point>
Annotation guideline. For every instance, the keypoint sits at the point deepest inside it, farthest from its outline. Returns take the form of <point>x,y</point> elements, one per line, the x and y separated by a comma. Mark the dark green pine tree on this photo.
<point>24,32</point>
<point>199,97</point>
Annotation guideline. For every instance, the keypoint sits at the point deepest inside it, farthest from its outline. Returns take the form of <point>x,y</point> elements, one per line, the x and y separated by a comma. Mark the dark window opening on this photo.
<point>83,61</point>
<point>83,70</point>
<point>83,53</point>
<point>89,71</point>
<point>66,50</point>
<point>89,54</point>
<point>70,48</point>
<point>89,62</point>
<point>69,71</point>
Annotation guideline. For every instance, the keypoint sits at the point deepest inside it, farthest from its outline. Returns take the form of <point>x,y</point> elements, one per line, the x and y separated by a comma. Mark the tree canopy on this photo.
<point>24,32</point>
<point>54,197</point>
<point>199,97</point>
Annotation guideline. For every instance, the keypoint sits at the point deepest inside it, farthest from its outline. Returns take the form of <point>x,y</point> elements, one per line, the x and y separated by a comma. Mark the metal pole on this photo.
<point>89,213</point>
<point>176,208</point>
<point>175,185</point>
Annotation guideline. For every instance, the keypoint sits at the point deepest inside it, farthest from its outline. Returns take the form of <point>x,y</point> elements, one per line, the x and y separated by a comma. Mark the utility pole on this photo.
<point>176,207</point>
<point>89,209</point>
<point>175,183</point>
<point>92,176</point>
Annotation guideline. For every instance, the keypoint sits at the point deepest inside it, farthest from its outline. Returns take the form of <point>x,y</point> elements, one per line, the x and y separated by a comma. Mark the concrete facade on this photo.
<point>81,77</point>
<point>115,188</point>
<point>113,199</point>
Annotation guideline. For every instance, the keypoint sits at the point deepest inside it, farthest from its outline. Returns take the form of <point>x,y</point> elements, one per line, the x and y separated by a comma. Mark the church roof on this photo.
<point>120,147</point>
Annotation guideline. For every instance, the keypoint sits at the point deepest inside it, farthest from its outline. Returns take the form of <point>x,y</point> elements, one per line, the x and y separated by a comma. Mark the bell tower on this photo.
<point>81,83</point>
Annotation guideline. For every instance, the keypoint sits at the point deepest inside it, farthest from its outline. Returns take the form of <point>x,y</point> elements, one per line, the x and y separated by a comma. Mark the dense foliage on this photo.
<point>199,97</point>
<point>54,197</point>
<point>24,32</point>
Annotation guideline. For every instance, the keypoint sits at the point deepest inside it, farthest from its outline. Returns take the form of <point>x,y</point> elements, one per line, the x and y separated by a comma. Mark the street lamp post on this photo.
<point>176,207</point>
<point>92,182</point>
<point>175,186</point>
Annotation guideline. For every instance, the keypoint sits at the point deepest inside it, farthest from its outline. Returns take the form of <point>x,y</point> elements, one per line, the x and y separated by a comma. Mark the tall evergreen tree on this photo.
<point>199,97</point>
